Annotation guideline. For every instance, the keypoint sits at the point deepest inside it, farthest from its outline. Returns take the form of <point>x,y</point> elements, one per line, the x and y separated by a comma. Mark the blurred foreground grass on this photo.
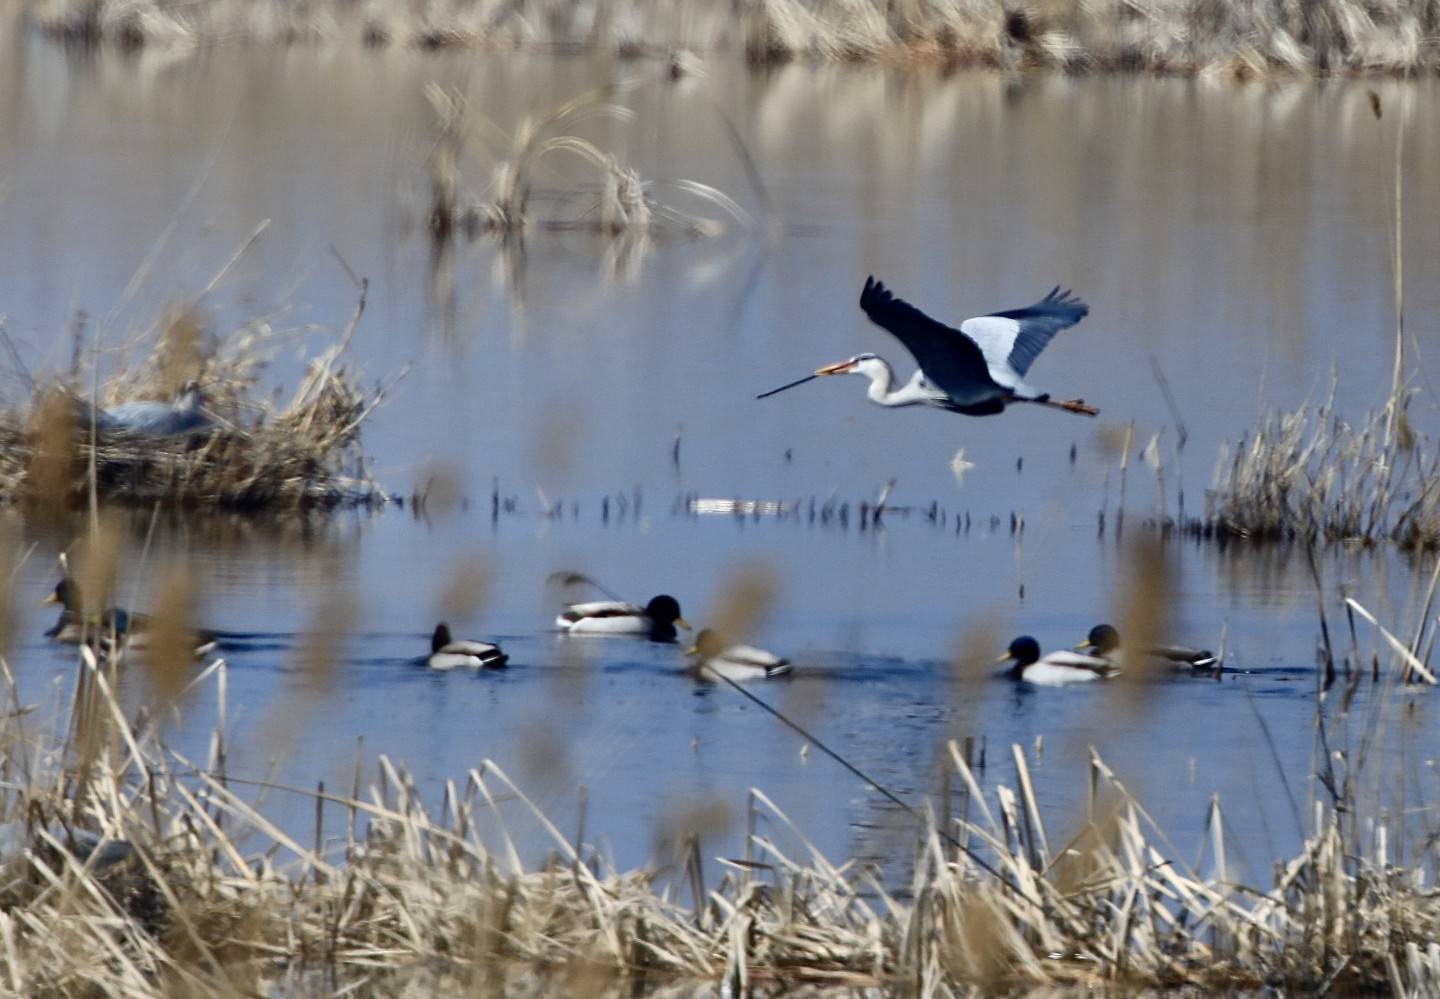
<point>131,869</point>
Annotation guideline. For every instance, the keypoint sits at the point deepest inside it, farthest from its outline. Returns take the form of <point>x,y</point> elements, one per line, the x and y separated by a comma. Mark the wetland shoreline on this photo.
<point>1330,37</point>
<point>152,850</point>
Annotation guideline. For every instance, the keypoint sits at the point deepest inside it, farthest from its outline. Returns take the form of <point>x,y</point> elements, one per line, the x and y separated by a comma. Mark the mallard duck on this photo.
<point>734,662</point>
<point>656,620</point>
<point>1103,642</point>
<point>75,625</point>
<point>1057,668</point>
<point>447,653</point>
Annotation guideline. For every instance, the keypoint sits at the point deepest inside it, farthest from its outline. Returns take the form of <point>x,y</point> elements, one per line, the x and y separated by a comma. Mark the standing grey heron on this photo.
<point>152,418</point>
<point>977,370</point>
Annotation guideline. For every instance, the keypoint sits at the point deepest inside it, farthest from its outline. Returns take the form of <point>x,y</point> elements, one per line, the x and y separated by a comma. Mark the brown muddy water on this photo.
<point>1237,236</point>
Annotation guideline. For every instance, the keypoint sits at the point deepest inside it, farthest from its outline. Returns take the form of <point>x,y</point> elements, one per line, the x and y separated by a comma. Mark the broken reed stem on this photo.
<point>1124,469</point>
<point>1397,385</point>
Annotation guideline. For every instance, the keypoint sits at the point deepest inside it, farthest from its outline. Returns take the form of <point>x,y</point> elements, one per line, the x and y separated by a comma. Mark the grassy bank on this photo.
<point>1168,36</point>
<point>133,870</point>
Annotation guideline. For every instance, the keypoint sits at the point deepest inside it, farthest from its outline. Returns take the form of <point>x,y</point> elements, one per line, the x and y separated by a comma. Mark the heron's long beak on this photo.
<point>1005,658</point>
<point>50,599</point>
<point>782,388</point>
<point>681,622</point>
<point>838,368</point>
<point>1081,646</point>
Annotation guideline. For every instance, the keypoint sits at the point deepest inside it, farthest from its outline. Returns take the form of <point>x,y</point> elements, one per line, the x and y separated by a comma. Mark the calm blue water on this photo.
<point>1237,236</point>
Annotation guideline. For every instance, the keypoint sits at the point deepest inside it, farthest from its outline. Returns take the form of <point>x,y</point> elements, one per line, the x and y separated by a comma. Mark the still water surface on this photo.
<point>1239,237</point>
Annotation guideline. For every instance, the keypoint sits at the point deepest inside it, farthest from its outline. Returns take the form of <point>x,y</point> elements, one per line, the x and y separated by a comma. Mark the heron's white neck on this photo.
<point>188,401</point>
<point>878,370</point>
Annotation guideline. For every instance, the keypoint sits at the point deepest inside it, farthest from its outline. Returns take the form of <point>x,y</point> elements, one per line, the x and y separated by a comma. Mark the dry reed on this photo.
<point>133,869</point>
<point>1308,475</point>
<point>256,455</point>
<point>618,204</point>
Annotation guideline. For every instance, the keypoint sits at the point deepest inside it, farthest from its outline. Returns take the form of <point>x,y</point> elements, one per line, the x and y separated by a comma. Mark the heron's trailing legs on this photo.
<point>1069,405</point>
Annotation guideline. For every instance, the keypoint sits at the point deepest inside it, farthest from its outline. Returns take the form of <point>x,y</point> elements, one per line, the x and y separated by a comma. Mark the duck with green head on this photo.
<point>714,657</point>
<point>1103,642</point>
<point>656,621</point>
<point>106,628</point>
<point>1058,668</point>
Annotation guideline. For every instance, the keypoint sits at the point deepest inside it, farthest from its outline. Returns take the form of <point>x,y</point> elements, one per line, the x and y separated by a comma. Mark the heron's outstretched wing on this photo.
<point>952,361</point>
<point>1015,337</point>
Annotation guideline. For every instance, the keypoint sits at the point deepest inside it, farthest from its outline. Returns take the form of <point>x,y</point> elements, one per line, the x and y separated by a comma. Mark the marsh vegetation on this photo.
<point>616,202</point>
<point>591,820</point>
<point>134,868</point>
<point>250,453</point>
<point>1173,36</point>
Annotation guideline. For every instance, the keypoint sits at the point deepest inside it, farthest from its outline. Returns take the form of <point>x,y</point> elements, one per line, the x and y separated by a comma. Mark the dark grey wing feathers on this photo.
<point>951,360</point>
<point>1040,322</point>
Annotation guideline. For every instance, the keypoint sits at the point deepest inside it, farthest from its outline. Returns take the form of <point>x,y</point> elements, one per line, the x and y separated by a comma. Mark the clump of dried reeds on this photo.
<point>256,455</point>
<point>1308,475</point>
<point>134,870</point>
<point>617,204</point>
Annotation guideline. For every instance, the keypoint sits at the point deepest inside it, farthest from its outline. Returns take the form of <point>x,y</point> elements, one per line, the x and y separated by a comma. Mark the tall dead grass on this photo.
<point>1309,475</point>
<point>616,202</point>
<point>131,869</point>
<point>1164,36</point>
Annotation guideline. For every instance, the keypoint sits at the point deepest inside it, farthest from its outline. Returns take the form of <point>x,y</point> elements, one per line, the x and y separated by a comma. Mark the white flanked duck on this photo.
<point>657,620</point>
<point>112,625</point>
<point>713,655</point>
<point>447,653</point>
<point>1055,669</point>
<point>1103,642</point>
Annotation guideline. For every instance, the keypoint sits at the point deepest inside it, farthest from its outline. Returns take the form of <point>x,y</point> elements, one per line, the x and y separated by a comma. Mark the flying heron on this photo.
<point>977,370</point>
